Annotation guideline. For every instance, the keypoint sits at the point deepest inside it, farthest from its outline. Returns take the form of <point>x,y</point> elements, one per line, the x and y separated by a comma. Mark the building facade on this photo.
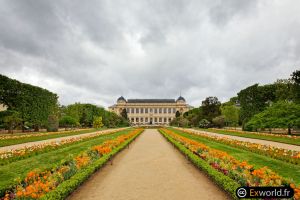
<point>150,111</point>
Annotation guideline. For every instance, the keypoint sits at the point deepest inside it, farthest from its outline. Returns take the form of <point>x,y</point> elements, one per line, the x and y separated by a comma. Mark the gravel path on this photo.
<point>28,144</point>
<point>150,169</point>
<point>265,142</point>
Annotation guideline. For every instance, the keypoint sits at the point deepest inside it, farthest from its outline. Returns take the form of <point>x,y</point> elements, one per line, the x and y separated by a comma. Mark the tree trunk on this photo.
<point>10,129</point>
<point>289,131</point>
<point>36,128</point>
<point>23,126</point>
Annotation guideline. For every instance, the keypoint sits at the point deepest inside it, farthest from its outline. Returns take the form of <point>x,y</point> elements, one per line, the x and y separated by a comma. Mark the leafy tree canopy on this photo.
<point>282,114</point>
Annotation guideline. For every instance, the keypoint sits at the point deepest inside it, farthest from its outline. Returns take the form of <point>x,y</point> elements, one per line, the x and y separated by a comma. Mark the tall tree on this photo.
<point>231,114</point>
<point>296,85</point>
<point>255,99</point>
<point>282,114</point>
<point>34,104</point>
<point>124,114</point>
<point>211,108</point>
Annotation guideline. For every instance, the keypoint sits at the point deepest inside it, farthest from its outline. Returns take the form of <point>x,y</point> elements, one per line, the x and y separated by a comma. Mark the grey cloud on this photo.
<point>100,49</point>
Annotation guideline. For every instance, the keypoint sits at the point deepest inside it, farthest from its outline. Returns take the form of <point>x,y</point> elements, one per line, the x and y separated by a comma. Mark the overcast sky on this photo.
<point>94,51</point>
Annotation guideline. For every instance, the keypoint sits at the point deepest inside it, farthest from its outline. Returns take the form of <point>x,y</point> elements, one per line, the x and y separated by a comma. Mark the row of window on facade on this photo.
<point>153,120</point>
<point>151,110</point>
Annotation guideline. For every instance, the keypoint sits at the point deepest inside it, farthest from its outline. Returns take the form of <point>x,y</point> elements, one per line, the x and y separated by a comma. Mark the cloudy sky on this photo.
<point>94,51</point>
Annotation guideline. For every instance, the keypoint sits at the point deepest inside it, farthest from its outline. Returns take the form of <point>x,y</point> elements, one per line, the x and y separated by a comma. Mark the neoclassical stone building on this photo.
<point>150,111</point>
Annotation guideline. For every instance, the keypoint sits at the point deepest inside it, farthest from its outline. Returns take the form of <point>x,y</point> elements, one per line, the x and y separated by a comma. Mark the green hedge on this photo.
<point>219,178</point>
<point>68,186</point>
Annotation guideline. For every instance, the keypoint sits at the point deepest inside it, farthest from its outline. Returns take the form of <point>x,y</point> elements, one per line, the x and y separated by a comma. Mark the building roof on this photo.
<point>180,98</point>
<point>151,101</point>
<point>121,98</point>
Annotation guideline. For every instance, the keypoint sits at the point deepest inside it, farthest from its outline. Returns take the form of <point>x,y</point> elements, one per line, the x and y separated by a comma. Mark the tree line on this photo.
<point>32,107</point>
<point>257,107</point>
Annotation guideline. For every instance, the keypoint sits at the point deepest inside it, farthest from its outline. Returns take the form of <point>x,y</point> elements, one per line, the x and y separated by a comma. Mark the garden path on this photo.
<point>150,169</point>
<point>264,142</point>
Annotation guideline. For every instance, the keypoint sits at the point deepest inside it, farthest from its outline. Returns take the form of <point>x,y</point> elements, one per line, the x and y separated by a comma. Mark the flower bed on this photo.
<point>257,133</point>
<point>268,150</point>
<point>24,152</point>
<point>38,182</point>
<point>13,137</point>
<point>239,171</point>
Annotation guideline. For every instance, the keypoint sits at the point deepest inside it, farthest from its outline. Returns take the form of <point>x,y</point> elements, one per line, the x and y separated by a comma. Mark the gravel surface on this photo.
<point>150,169</point>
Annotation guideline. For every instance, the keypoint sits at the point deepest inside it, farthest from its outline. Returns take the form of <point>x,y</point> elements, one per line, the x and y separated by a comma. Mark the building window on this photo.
<point>132,110</point>
<point>142,110</point>
<point>146,110</point>
<point>170,119</point>
<point>155,119</point>
<point>165,120</point>
<point>137,119</point>
<point>132,119</point>
<point>165,110</point>
<point>127,110</point>
<point>160,110</point>
<point>142,119</point>
<point>150,110</point>
<point>160,119</point>
<point>146,119</point>
<point>174,110</point>
<point>169,110</point>
<point>137,110</point>
<point>155,110</point>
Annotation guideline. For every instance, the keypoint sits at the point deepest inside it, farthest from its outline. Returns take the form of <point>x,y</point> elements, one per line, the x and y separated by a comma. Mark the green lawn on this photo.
<point>294,141</point>
<point>11,171</point>
<point>284,169</point>
<point>8,142</point>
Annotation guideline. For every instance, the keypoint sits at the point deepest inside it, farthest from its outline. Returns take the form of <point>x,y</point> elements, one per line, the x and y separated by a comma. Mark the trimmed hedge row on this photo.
<point>68,186</point>
<point>225,182</point>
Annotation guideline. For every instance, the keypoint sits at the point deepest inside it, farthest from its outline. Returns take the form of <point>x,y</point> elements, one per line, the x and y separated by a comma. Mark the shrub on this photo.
<point>204,123</point>
<point>98,122</point>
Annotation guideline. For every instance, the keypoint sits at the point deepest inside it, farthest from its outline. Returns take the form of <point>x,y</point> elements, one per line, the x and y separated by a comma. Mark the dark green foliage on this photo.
<point>11,120</point>
<point>255,99</point>
<point>34,104</point>
<point>85,114</point>
<point>180,122</point>
<point>124,114</point>
<point>68,121</point>
<point>219,121</point>
<point>177,114</point>
<point>193,116</point>
<point>279,115</point>
<point>211,108</point>
<point>296,85</point>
